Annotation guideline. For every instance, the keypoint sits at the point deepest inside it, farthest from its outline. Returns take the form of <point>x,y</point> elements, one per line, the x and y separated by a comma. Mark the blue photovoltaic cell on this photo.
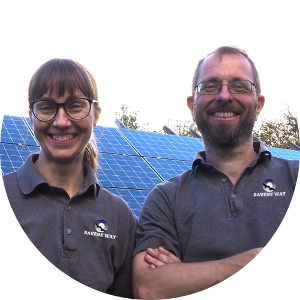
<point>13,156</point>
<point>28,122</point>
<point>14,130</point>
<point>125,171</point>
<point>169,168</point>
<point>134,198</point>
<point>127,175</point>
<point>285,153</point>
<point>110,140</point>
<point>163,145</point>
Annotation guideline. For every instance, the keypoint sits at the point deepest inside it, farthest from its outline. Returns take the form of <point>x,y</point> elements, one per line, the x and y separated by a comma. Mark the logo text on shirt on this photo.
<point>269,187</point>
<point>101,227</point>
<point>100,234</point>
<point>269,194</point>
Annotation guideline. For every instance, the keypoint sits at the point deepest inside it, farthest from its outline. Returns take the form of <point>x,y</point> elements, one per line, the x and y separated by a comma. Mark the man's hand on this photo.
<point>175,279</point>
<point>159,257</point>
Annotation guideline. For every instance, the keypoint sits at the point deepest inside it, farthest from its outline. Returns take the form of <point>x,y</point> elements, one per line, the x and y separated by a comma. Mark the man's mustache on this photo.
<point>225,107</point>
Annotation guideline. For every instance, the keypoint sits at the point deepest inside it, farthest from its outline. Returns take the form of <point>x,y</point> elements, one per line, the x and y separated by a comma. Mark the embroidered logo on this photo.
<point>269,187</point>
<point>101,227</point>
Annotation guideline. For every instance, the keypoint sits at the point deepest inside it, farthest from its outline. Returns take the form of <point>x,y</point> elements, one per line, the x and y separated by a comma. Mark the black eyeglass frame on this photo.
<point>220,87</point>
<point>64,105</point>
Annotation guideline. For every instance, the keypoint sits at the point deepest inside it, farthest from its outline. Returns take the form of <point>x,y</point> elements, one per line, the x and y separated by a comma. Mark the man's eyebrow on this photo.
<point>217,79</point>
<point>210,79</point>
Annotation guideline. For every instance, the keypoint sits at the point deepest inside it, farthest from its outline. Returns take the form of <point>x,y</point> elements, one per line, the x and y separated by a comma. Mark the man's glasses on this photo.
<point>75,108</point>
<point>234,87</point>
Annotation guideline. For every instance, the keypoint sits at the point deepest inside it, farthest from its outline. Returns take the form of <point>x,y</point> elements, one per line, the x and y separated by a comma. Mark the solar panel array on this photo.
<point>131,162</point>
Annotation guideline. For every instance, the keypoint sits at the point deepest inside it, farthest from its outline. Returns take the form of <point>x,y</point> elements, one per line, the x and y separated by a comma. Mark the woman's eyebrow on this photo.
<point>46,98</point>
<point>49,98</point>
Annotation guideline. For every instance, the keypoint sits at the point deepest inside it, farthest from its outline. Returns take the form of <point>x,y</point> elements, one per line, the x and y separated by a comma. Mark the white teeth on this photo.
<point>224,114</point>
<point>62,138</point>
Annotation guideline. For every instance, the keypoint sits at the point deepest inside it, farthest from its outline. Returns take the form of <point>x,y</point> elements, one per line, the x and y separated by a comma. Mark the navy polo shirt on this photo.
<point>90,236</point>
<point>200,215</point>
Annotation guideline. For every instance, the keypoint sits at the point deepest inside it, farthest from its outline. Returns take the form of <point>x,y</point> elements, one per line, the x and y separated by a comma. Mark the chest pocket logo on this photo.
<point>101,226</point>
<point>269,185</point>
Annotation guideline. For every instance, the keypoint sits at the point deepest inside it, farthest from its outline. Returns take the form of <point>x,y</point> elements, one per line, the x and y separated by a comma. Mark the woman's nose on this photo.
<point>61,119</point>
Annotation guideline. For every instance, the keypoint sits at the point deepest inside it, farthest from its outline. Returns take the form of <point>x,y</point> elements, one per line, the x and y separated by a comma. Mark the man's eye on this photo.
<point>240,86</point>
<point>237,85</point>
<point>209,86</point>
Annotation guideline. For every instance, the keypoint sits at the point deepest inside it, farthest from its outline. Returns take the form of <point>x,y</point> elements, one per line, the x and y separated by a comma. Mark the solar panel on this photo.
<point>15,130</point>
<point>134,198</point>
<point>13,156</point>
<point>285,153</point>
<point>169,168</point>
<point>131,162</point>
<point>162,145</point>
<point>110,140</point>
<point>28,122</point>
<point>125,171</point>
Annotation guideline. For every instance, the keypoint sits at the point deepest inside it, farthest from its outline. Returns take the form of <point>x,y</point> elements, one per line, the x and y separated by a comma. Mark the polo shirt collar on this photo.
<point>259,147</point>
<point>29,177</point>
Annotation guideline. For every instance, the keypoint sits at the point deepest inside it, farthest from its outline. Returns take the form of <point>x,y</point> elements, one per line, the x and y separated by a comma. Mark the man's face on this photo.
<point>225,119</point>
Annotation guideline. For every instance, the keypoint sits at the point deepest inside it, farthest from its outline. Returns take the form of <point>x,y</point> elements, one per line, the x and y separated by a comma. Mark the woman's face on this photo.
<point>63,139</point>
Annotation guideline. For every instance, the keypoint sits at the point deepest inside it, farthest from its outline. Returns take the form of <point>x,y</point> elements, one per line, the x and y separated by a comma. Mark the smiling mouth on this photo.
<point>224,114</point>
<point>63,138</point>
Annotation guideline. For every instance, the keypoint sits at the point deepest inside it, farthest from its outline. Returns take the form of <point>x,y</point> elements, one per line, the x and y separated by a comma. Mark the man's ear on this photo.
<point>260,105</point>
<point>190,104</point>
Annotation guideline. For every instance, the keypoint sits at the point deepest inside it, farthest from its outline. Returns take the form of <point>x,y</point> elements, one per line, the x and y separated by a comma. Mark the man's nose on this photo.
<point>224,94</point>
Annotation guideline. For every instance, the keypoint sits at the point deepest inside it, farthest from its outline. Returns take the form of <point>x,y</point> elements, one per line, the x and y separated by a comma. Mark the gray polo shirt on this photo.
<point>90,237</point>
<point>200,215</point>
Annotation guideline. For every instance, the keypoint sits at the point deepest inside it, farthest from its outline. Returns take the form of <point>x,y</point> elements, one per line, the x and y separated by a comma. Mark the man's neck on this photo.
<point>231,161</point>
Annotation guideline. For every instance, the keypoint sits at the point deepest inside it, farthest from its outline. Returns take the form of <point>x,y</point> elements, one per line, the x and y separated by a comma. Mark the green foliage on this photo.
<point>182,128</point>
<point>279,133</point>
<point>130,120</point>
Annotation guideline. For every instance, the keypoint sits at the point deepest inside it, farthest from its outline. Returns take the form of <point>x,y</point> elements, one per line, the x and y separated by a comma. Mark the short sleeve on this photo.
<point>157,224</point>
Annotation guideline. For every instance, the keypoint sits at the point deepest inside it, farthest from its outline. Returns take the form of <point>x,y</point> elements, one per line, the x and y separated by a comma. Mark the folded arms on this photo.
<point>158,274</point>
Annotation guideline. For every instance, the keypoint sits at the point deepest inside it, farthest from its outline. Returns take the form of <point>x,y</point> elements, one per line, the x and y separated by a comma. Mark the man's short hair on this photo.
<point>229,50</point>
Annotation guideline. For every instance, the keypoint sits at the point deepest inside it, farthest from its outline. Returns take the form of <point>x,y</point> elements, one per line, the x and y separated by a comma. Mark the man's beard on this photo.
<point>226,135</point>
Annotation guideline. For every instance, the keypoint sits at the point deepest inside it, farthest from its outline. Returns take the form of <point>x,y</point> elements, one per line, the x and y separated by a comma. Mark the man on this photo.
<point>204,225</point>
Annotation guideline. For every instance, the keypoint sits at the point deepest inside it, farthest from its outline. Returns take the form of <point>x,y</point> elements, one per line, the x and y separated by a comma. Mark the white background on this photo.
<point>144,53</point>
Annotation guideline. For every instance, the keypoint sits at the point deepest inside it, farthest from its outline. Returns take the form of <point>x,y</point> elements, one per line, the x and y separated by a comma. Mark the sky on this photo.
<point>143,53</point>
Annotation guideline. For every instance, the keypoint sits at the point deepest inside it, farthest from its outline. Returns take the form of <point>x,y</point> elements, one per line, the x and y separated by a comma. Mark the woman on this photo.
<point>84,230</point>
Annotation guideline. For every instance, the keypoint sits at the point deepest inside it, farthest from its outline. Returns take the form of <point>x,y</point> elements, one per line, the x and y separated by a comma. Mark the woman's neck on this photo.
<point>69,175</point>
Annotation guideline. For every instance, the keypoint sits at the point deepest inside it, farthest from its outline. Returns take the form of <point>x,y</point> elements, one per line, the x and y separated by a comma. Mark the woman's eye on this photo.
<point>45,107</point>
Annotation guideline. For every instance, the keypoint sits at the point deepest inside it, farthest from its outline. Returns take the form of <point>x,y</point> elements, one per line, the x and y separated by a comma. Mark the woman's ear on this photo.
<point>30,117</point>
<point>97,113</point>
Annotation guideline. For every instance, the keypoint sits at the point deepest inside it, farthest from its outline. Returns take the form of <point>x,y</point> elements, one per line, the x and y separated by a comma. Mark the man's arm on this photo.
<point>178,279</point>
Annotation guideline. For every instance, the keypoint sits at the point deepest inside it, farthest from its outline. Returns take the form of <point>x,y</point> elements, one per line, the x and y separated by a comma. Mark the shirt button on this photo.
<point>69,231</point>
<point>233,195</point>
<point>223,180</point>
<point>69,208</point>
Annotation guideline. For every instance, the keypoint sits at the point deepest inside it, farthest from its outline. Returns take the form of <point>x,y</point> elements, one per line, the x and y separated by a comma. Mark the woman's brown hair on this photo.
<point>66,75</point>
